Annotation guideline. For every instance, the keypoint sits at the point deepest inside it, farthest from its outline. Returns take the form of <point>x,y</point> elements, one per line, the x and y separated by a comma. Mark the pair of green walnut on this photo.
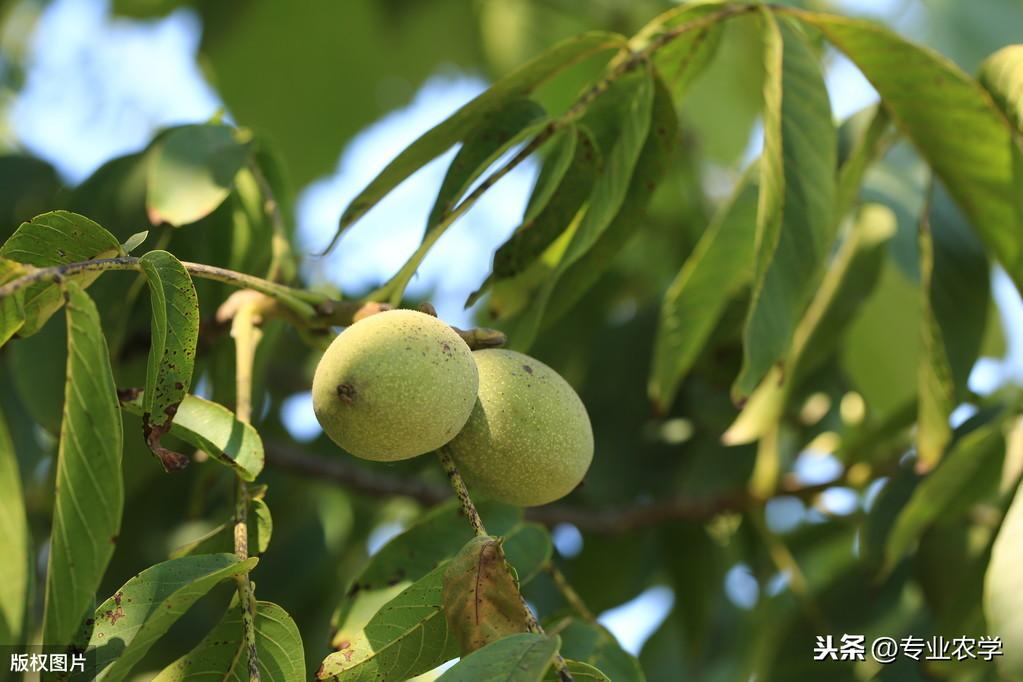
<point>402,383</point>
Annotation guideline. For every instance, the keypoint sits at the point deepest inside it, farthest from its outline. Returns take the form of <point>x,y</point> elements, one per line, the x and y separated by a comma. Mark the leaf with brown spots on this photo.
<point>55,238</point>
<point>175,332</point>
<point>127,624</point>
<point>481,595</point>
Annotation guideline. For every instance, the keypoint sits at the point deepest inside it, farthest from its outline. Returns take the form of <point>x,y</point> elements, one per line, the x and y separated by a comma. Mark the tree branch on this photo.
<point>607,520</point>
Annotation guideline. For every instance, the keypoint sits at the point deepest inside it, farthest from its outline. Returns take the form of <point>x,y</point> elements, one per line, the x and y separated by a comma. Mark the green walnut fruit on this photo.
<point>395,385</point>
<point>529,439</point>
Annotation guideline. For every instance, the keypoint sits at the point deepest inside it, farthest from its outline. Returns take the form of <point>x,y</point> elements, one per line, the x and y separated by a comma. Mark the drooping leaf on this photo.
<point>407,636</point>
<point>1003,589</point>
<point>620,120</point>
<point>221,539</point>
<point>862,139</point>
<point>524,657</point>
<point>174,334</point>
<point>720,264</point>
<point>955,282</point>
<point>221,655</point>
<point>953,122</point>
<point>683,59</point>
<point>442,137</point>
<point>851,277</point>
<point>89,493</point>
<point>481,595</point>
<point>14,544</point>
<point>566,188</point>
<point>795,215</point>
<point>55,238</point>
<point>581,672</point>
<point>495,133</point>
<point>127,624</point>
<point>1002,75</point>
<point>949,483</point>
<point>592,643</point>
<point>192,170</point>
<point>213,428</point>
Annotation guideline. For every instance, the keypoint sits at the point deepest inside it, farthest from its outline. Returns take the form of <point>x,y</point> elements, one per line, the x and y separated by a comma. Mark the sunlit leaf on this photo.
<point>955,278</point>
<point>1003,589</point>
<point>795,215</point>
<point>127,624</point>
<point>952,121</point>
<point>1002,75</point>
<point>221,538</point>
<point>519,658</point>
<point>174,334</point>
<point>215,430</point>
<point>442,137</point>
<point>850,278</point>
<point>407,636</point>
<point>89,487</point>
<point>222,655</point>
<point>55,238</point>
<point>192,170</point>
<point>14,544</point>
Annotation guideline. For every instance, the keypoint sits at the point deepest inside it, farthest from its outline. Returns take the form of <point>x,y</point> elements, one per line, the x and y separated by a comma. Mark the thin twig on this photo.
<point>572,598</point>
<point>604,520</point>
<point>246,337</point>
<point>461,492</point>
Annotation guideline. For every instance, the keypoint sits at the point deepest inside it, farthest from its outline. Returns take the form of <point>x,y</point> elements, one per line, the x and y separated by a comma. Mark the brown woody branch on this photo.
<point>606,520</point>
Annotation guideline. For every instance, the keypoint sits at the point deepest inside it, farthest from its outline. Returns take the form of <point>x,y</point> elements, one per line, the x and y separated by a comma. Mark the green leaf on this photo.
<point>221,655</point>
<point>619,120</point>
<point>55,238</point>
<point>561,191</point>
<point>134,241</point>
<point>719,266</point>
<point>528,547</point>
<point>1002,75</point>
<point>12,306</point>
<point>490,137</point>
<point>127,624</point>
<point>89,493</point>
<point>175,332</point>
<point>866,134</point>
<point>684,58</point>
<point>953,122</point>
<point>213,428</point>
<point>955,282</point>
<point>949,483</point>
<point>481,595</point>
<point>592,643</point>
<point>519,658</point>
<point>1003,589</point>
<point>406,637</point>
<point>795,215</point>
<point>192,170</point>
<point>581,672</point>
<point>434,538</point>
<point>221,539</point>
<point>452,130</point>
<point>14,544</point>
<point>849,280</point>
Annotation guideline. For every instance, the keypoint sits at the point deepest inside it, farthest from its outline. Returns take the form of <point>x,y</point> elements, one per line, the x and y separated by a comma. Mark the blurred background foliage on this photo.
<point>721,596</point>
